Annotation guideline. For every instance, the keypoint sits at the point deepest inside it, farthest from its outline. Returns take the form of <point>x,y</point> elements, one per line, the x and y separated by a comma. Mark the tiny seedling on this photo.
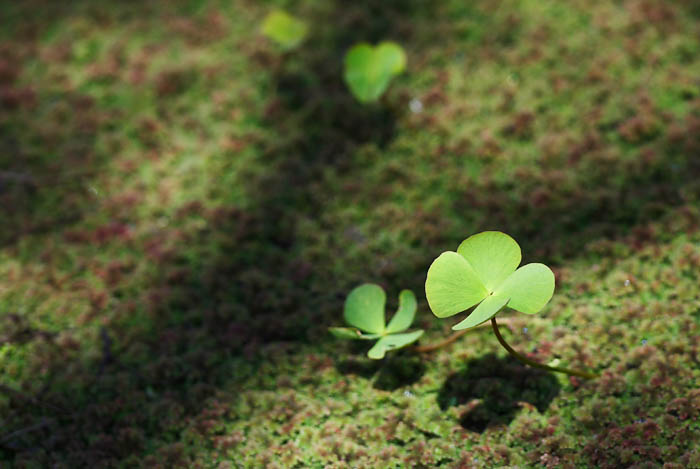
<point>369,69</point>
<point>484,273</point>
<point>284,29</point>
<point>364,310</point>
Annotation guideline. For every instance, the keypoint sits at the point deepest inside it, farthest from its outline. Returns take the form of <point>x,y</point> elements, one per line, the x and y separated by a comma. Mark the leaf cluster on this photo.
<point>368,69</point>
<point>364,309</point>
<point>484,271</point>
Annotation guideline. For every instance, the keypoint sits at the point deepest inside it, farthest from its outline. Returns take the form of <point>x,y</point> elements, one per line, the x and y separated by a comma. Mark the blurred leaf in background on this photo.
<point>284,29</point>
<point>369,69</point>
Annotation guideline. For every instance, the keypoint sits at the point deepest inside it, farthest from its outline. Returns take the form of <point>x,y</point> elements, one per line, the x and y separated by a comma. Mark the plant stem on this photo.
<point>442,343</point>
<point>432,347</point>
<point>24,397</point>
<point>527,361</point>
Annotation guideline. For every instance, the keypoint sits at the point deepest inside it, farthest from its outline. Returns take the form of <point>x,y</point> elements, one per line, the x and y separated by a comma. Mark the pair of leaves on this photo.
<point>364,309</point>
<point>368,69</point>
<point>284,29</point>
<point>483,271</point>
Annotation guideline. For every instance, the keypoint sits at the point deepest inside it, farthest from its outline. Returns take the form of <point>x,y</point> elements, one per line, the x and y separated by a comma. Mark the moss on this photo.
<point>185,208</point>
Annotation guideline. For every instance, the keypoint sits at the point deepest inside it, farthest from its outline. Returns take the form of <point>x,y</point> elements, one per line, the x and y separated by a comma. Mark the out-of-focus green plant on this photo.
<point>284,29</point>
<point>484,273</point>
<point>364,310</point>
<point>369,69</point>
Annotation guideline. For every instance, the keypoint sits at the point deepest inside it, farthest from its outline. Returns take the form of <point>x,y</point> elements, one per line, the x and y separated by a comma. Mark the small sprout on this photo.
<point>369,69</point>
<point>483,272</point>
<point>284,29</point>
<point>364,310</point>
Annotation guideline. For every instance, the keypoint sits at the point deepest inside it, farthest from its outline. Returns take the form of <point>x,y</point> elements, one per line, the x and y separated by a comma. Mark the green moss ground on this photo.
<point>183,208</point>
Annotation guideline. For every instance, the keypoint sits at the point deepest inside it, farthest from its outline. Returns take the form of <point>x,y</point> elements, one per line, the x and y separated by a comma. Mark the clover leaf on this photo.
<point>364,310</point>
<point>284,29</point>
<point>369,69</point>
<point>484,271</point>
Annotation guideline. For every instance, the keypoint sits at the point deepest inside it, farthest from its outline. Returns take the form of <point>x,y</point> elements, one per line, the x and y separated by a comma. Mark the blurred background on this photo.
<point>184,206</point>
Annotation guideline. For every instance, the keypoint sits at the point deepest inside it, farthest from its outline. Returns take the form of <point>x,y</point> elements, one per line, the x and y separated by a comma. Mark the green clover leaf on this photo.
<point>369,69</point>
<point>364,310</point>
<point>404,315</point>
<point>284,29</point>
<point>484,271</point>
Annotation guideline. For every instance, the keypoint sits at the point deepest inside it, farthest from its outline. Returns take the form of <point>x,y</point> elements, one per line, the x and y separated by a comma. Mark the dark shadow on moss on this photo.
<point>500,384</point>
<point>360,367</point>
<point>399,370</point>
<point>47,158</point>
<point>393,372</point>
<point>214,298</point>
<point>235,287</point>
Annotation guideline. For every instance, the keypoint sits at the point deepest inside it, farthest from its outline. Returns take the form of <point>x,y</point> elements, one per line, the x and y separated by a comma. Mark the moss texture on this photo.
<point>184,208</point>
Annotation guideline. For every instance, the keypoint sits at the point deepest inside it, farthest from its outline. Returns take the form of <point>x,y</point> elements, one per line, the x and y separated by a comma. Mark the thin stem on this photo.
<point>447,341</point>
<point>527,361</point>
<point>24,397</point>
<point>41,424</point>
<point>442,343</point>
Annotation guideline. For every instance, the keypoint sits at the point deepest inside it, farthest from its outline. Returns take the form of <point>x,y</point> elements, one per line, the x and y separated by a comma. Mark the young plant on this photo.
<point>484,273</point>
<point>364,309</point>
<point>284,29</point>
<point>369,69</point>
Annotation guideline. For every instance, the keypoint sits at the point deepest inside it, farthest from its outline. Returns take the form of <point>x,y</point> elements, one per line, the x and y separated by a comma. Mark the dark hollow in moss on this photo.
<point>360,367</point>
<point>399,371</point>
<point>395,371</point>
<point>501,384</point>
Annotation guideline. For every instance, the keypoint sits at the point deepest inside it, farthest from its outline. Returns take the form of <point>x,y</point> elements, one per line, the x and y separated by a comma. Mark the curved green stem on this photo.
<point>442,343</point>
<point>527,361</point>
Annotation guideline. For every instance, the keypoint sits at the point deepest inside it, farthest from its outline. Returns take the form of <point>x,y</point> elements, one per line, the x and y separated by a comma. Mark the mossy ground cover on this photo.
<point>185,207</point>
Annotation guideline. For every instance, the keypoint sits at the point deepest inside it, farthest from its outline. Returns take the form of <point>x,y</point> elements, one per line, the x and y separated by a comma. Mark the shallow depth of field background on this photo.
<point>183,208</point>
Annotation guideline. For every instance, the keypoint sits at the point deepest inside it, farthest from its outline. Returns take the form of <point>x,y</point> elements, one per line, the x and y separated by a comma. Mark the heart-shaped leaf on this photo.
<point>403,318</point>
<point>494,256</point>
<point>284,29</point>
<point>392,342</point>
<point>484,271</point>
<point>529,288</point>
<point>452,285</point>
<point>368,69</point>
<point>364,309</point>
